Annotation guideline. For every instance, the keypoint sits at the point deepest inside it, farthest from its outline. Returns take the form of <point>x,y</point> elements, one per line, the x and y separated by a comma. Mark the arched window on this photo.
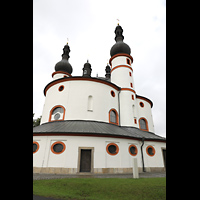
<point>143,124</point>
<point>57,113</point>
<point>113,117</point>
<point>90,103</point>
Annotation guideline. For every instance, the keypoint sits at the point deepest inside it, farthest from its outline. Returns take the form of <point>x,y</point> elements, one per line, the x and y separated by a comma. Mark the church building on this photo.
<point>97,125</point>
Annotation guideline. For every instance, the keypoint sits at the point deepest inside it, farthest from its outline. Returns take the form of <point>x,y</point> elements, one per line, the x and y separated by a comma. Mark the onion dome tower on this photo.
<point>107,75</point>
<point>119,46</point>
<point>63,67</point>
<point>122,76</point>
<point>87,69</point>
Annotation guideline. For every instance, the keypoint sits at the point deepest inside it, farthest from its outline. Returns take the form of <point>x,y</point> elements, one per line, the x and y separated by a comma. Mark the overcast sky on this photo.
<point>89,26</point>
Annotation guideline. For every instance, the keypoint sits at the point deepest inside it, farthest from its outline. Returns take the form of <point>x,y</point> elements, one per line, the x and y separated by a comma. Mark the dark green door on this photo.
<point>85,164</point>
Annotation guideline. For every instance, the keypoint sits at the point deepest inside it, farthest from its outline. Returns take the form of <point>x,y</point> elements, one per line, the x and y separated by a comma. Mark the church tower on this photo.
<point>63,68</point>
<point>87,69</point>
<point>122,75</point>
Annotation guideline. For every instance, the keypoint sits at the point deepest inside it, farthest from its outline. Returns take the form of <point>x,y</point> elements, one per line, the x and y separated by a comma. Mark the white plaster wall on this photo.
<point>126,108</point>
<point>120,60</point>
<point>74,98</point>
<point>145,112</point>
<point>121,77</point>
<point>156,160</point>
<point>69,158</point>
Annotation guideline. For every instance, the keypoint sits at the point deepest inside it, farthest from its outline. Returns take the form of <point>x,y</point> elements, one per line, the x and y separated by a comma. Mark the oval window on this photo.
<point>112,149</point>
<point>150,151</point>
<point>61,88</point>
<point>35,147</point>
<point>112,93</point>
<point>133,150</point>
<point>142,104</point>
<point>58,147</point>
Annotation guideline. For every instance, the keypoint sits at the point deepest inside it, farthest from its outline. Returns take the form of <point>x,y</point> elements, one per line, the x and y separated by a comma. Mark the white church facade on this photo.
<point>97,124</point>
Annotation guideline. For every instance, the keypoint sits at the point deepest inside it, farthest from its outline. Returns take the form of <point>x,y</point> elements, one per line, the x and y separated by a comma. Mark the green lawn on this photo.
<point>102,188</point>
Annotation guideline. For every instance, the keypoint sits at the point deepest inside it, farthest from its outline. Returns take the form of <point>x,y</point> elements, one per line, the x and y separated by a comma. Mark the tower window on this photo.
<point>113,117</point>
<point>131,84</point>
<point>128,61</point>
<point>57,113</point>
<point>143,124</point>
<point>130,74</point>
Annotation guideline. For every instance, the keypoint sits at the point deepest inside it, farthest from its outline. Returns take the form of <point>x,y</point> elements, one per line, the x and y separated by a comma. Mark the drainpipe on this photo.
<point>119,106</point>
<point>142,155</point>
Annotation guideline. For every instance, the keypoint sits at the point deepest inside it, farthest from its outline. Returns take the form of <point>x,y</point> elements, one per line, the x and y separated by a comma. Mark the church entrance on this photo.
<point>85,165</point>
<point>85,159</point>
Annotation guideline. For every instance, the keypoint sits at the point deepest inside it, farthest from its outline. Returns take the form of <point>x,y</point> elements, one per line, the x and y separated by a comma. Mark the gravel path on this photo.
<point>37,176</point>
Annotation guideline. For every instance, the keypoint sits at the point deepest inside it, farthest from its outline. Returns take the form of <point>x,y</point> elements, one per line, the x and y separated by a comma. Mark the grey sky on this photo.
<point>89,25</point>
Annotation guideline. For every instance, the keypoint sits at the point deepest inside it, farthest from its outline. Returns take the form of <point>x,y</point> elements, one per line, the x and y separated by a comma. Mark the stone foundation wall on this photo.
<point>54,170</point>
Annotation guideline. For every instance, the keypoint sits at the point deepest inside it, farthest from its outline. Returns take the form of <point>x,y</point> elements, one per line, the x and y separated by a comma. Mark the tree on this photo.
<point>36,122</point>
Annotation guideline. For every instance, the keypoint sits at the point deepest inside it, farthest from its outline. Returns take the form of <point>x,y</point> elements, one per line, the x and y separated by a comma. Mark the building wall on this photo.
<point>89,100</point>
<point>127,112</point>
<point>45,158</point>
<point>83,100</point>
<point>145,112</point>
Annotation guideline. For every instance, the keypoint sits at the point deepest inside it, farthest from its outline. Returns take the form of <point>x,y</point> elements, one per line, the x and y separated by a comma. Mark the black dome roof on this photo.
<point>87,65</point>
<point>64,65</point>
<point>119,46</point>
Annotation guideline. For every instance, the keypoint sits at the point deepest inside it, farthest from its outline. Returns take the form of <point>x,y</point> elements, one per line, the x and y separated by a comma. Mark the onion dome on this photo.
<point>64,65</point>
<point>107,71</point>
<point>119,46</point>
<point>87,69</point>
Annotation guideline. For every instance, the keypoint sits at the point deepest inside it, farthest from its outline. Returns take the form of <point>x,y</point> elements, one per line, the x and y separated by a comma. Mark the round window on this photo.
<point>112,149</point>
<point>58,147</point>
<point>150,151</point>
<point>142,104</point>
<point>61,88</point>
<point>133,150</point>
<point>35,147</point>
<point>112,93</point>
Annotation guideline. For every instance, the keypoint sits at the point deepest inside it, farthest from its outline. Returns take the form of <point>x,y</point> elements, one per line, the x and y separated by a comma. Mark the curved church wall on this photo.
<point>102,162</point>
<point>144,111</point>
<point>82,100</point>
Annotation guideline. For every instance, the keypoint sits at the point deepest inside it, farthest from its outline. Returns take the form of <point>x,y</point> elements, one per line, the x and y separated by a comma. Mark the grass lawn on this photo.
<point>102,188</point>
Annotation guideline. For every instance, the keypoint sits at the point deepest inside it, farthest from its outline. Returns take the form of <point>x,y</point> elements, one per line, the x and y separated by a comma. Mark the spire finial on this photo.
<point>118,21</point>
<point>66,51</point>
<point>67,40</point>
<point>119,34</point>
